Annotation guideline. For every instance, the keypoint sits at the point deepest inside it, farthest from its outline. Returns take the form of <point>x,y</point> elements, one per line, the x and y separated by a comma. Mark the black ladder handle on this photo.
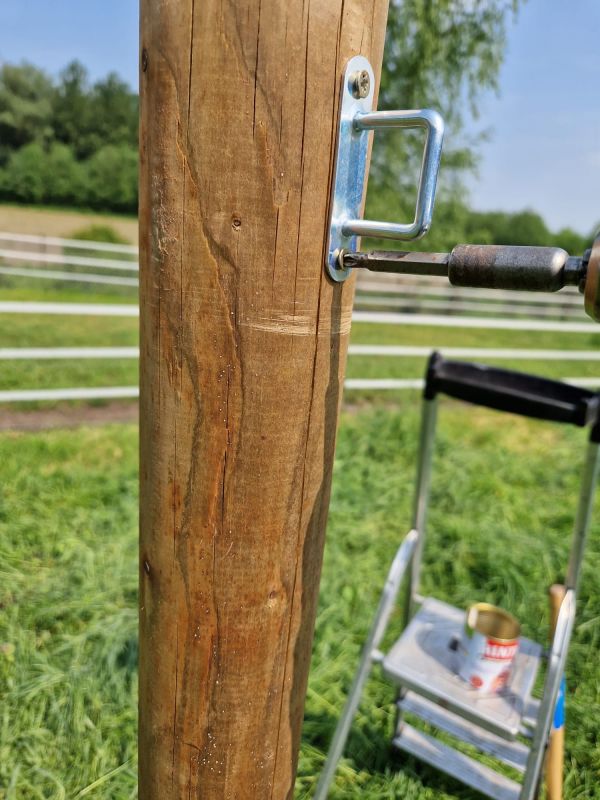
<point>515,392</point>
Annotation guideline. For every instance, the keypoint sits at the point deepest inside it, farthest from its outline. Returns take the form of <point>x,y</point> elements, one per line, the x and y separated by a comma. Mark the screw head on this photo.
<point>361,84</point>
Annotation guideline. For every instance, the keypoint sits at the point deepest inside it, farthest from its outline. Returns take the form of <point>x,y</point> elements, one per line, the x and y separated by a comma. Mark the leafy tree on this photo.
<point>64,177</point>
<point>112,178</point>
<point>522,227</point>
<point>526,227</point>
<point>35,174</point>
<point>444,54</point>
<point>72,112</point>
<point>69,142</point>
<point>99,233</point>
<point>25,107</point>
<point>88,117</point>
<point>114,109</point>
<point>71,108</point>
<point>573,242</point>
<point>22,179</point>
<point>440,52</point>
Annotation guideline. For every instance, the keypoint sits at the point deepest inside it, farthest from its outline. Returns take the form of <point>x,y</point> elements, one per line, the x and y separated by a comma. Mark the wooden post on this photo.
<point>555,756</point>
<point>243,344</point>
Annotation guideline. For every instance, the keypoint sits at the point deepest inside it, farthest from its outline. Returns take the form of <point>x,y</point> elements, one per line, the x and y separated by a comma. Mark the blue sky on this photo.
<point>545,146</point>
<point>544,151</point>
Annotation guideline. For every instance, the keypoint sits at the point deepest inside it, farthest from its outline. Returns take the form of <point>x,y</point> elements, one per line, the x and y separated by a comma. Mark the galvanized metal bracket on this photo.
<point>349,181</point>
<point>357,120</point>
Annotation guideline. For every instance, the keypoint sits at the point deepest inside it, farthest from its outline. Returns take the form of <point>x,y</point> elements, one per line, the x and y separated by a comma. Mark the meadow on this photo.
<point>503,499</point>
<point>500,523</point>
<point>42,221</point>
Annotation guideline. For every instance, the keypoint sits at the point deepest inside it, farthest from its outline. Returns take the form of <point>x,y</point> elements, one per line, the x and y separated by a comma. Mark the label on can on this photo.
<point>487,662</point>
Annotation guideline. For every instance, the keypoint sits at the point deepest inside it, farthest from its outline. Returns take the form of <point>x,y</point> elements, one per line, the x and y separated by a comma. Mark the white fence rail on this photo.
<point>435,287</point>
<point>419,294</point>
<point>77,277</point>
<point>21,253</point>
<point>397,351</point>
<point>27,257</point>
<point>79,309</point>
<point>452,305</point>
<point>418,383</point>
<point>507,354</point>
<point>57,241</point>
<point>83,393</point>
<point>395,288</point>
<point>375,317</point>
<point>490,323</point>
<point>32,257</point>
<point>59,353</point>
<point>122,392</point>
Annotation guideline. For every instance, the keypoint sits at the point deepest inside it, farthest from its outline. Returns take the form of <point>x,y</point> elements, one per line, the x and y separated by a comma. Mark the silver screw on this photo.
<point>361,84</point>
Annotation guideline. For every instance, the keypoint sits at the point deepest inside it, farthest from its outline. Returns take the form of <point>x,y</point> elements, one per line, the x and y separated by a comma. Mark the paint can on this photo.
<point>489,647</point>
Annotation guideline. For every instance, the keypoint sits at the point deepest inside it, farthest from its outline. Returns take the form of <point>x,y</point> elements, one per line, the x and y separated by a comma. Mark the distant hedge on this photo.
<point>105,180</point>
<point>68,142</point>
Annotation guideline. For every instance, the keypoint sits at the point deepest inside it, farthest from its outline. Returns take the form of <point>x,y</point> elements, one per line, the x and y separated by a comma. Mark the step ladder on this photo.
<point>512,727</point>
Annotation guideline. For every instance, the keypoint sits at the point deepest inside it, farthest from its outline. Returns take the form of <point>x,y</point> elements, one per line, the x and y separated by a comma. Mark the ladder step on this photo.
<point>514,754</point>
<point>530,716</point>
<point>423,661</point>
<point>464,769</point>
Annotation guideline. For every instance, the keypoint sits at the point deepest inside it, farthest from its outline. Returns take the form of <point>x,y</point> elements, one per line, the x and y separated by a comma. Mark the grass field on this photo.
<point>68,559</point>
<point>500,520</point>
<point>28,330</point>
<point>62,222</point>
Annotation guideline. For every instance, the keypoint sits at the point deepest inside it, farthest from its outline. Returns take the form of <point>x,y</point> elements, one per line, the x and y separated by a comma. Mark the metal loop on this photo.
<point>357,119</point>
<point>433,123</point>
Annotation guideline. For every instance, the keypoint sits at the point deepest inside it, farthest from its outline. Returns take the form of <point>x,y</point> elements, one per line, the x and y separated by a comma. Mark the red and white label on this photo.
<point>486,662</point>
<point>500,651</point>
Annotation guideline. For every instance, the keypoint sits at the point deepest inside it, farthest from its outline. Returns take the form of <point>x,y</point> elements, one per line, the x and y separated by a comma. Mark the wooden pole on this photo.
<point>555,756</point>
<point>243,344</point>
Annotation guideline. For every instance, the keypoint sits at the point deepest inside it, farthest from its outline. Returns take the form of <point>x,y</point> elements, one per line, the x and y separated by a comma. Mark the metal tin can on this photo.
<point>489,647</point>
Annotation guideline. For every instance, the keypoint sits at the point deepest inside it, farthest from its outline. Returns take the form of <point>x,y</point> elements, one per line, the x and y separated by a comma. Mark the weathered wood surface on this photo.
<point>243,344</point>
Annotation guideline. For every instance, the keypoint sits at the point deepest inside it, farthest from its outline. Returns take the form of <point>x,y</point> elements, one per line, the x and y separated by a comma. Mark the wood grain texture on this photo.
<point>243,345</point>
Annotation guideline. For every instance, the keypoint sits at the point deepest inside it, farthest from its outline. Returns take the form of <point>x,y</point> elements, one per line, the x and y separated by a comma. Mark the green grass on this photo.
<point>499,529</point>
<point>69,623</point>
<point>433,336</point>
<point>30,330</point>
<point>394,367</point>
<point>20,288</point>
<point>48,221</point>
<point>83,210</point>
<point>367,333</point>
<point>503,496</point>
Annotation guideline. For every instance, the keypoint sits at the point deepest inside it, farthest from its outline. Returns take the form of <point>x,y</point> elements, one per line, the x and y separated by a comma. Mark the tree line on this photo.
<point>67,141</point>
<point>446,55</point>
<point>70,142</point>
<point>454,223</point>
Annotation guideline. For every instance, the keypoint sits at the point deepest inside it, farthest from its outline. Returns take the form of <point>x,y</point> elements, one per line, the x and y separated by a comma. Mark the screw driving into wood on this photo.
<point>361,84</point>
